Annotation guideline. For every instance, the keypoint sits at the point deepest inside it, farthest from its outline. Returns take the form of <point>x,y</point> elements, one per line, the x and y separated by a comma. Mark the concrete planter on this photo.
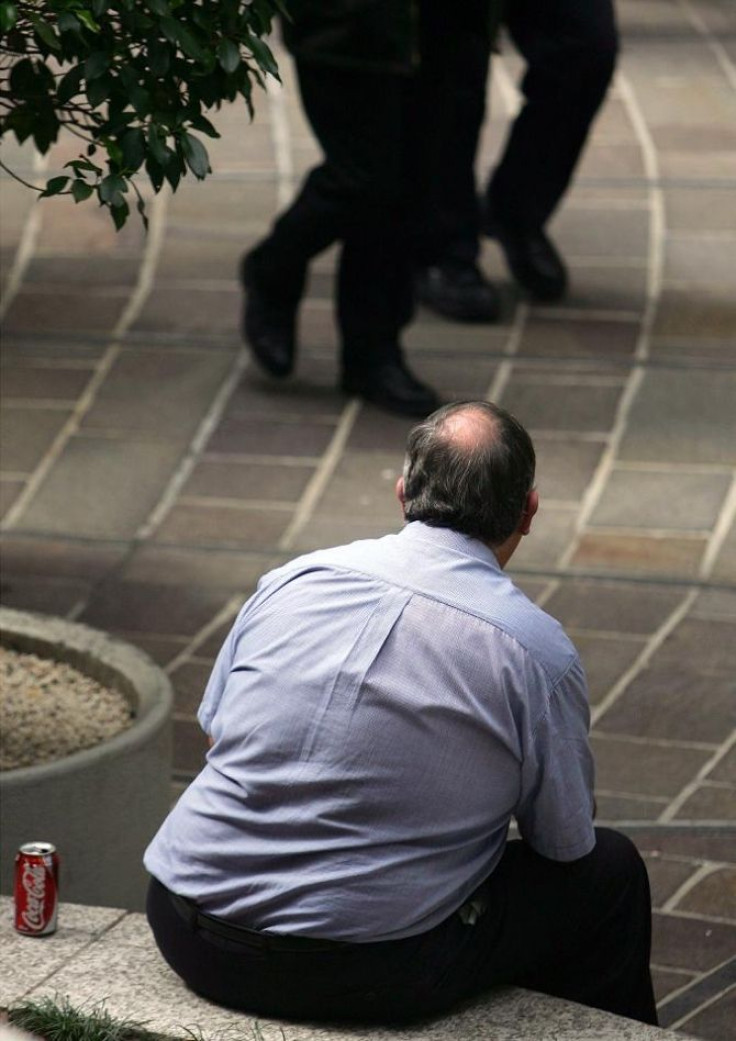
<point>99,806</point>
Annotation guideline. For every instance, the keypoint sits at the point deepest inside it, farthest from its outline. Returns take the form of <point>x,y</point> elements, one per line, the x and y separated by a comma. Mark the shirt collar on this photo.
<point>446,538</point>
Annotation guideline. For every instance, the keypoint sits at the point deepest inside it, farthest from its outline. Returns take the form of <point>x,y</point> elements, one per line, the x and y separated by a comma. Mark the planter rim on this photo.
<point>155,693</point>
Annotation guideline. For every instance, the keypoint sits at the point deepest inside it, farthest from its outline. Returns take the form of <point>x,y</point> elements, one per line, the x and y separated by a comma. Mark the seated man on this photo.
<point>378,715</point>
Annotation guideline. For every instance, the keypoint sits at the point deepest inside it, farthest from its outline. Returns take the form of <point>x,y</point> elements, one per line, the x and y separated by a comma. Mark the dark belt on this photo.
<point>249,937</point>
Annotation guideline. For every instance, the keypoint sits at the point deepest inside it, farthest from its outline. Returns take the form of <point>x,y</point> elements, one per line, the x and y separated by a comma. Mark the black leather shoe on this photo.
<point>458,291</point>
<point>532,258</point>
<point>393,387</point>
<point>269,316</point>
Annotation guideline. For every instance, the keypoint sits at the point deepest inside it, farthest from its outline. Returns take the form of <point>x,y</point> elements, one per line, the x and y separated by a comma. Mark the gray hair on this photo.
<point>473,478</point>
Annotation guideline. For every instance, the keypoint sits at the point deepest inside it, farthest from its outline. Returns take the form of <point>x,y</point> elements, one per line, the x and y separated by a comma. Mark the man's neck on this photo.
<point>506,550</point>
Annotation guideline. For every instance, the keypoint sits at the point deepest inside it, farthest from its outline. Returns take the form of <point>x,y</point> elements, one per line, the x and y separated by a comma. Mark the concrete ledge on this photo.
<point>103,953</point>
<point>102,805</point>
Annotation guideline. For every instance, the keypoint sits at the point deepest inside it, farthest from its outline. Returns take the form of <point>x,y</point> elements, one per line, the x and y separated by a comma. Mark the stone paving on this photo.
<point>150,474</point>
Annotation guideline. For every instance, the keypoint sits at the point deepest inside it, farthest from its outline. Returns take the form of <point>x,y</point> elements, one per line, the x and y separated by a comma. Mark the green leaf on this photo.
<point>202,123</point>
<point>176,32</point>
<point>157,147</point>
<point>228,55</point>
<point>22,78</point>
<point>68,23</point>
<point>160,7</point>
<point>119,212</point>
<point>45,127</point>
<point>81,190</point>
<point>8,16</point>
<point>208,61</point>
<point>88,21</point>
<point>170,29</point>
<point>54,186</point>
<point>141,23</point>
<point>98,91</point>
<point>77,165</point>
<point>70,84</point>
<point>133,146</point>
<point>114,152</point>
<point>196,156</point>
<point>16,42</point>
<point>20,123</point>
<point>111,189</point>
<point>173,170</point>
<point>45,32</point>
<point>189,43</point>
<point>201,19</point>
<point>208,89</point>
<point>155,172</point>
<point>262,55</point>
<point>128,76</point>
<point>117,121</point>
<point>96,65</point>
<point>159,57</point>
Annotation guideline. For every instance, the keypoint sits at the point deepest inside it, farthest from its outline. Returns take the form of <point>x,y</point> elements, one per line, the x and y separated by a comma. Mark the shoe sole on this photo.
<point>413,411</point>
<point>458,314</point>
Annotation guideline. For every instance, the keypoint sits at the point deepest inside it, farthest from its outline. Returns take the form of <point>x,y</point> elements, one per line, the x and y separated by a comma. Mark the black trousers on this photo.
<point>579,931</point>
<point>357,196</point>
<point>570,48</point>
<point>383,137</point>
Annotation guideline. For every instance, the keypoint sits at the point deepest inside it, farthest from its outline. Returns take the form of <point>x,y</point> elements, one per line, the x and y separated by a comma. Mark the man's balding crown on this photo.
<point>469,427</point>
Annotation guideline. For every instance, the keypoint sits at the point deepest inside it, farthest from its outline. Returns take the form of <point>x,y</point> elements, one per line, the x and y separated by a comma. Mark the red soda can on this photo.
<point>36,888</point>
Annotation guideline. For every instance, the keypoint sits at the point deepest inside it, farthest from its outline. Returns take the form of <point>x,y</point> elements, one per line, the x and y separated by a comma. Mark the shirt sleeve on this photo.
<point>224,662</point>
<point>216,683</point>
<point>555,815</point>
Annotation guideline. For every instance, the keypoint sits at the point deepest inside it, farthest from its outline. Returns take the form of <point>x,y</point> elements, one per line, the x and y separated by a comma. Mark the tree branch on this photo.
<point>16,177</point>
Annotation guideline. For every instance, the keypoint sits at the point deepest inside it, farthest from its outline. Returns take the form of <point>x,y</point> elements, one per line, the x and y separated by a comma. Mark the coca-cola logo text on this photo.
<point>33,881</point>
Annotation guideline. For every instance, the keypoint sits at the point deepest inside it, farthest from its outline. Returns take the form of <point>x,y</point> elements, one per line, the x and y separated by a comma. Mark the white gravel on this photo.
<point>49,710</point>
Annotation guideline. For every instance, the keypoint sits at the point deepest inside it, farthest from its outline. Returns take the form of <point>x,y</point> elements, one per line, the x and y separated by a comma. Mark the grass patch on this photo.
<point>56,1019</point>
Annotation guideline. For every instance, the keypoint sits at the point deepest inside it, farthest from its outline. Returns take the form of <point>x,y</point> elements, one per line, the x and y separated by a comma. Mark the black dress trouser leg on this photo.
<point>356,196</point>
<point>579,931</point>
<point>570,47</point>
<point>455,43</point>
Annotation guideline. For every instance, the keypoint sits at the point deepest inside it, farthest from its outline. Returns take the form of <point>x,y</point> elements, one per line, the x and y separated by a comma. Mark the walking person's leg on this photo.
<point>570,47</point>
<point>455,50</point>
<point>345,109</point>
<point>357,196</point>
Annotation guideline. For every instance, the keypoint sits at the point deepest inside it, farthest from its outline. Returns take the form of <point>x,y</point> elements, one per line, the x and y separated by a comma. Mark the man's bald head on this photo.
<point>468,425</point>
<point>469,467</point>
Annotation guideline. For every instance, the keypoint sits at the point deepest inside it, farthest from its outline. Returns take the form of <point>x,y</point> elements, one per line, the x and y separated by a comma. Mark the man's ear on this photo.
<point>530,508</point>
<point>400,492</point>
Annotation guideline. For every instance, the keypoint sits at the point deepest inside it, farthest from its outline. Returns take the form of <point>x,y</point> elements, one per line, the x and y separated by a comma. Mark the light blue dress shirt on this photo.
<point>380,711</point>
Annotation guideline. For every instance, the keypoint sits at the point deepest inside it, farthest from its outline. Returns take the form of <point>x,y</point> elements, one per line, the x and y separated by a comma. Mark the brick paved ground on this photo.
<point>149,474</point>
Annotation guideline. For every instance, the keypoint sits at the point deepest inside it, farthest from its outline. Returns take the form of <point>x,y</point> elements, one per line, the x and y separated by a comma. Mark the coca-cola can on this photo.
<point>36,888</point>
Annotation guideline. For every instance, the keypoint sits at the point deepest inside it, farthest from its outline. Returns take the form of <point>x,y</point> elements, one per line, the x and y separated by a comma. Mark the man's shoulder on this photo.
<point>450,571</point>
<point>541,635</point>
<point>360,555</point>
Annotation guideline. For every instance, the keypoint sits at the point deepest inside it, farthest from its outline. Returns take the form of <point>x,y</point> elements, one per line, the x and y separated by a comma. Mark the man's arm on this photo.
<point>556,811</point>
